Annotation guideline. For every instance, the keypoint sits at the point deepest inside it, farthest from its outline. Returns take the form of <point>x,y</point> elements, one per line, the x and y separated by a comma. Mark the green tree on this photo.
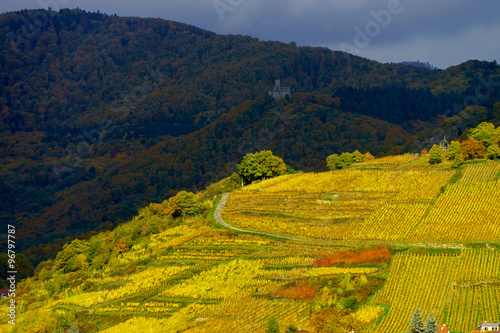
<point>493,152</point>
<point>261,165</point>
<point>345,160</point>
<point>66,260</point>
<point>458,161</point>
<point>455,154</point>
<point>454,150</point>
<point>417,323</point>
<point>432,326</point>
<point>357,157</point>
<point>189,203</point>
<point>331,162</point>
<point>435,155</point>
<point>272,325</point>
<point>484,132</point>
<point>290,171</point>
<point>496,136</point>
<point>291,329</point>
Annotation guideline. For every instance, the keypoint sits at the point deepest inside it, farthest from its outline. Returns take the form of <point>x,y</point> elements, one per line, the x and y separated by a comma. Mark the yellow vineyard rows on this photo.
<point>283,226</point>
<point>179,321</point>
<point>479,173</point>
<point>233,242</point>
<point>464,213</point>
<point>442,284</point>
<point>288,261</point>
<point>245,277</point>
<point>153,307</point>
<point>180,240</point>
<point>314,272</point>
<point>392,202</point>
<point>392,222</point>
<point>389,160</point>
<point>220,282</point>
<point>249,314</point>
<point>150,279</point>
<point>198,254</point>
<point>340,205</point>
<point>169,233</point>
<point>134,255</point>
<point>473,306</point>
<point>407,184</point>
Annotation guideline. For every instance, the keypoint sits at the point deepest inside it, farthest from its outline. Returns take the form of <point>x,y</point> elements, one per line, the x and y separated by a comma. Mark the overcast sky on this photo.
<point>442,32</point>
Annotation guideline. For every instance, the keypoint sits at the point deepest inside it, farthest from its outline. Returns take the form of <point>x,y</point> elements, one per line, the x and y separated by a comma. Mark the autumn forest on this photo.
<point>102,115</point>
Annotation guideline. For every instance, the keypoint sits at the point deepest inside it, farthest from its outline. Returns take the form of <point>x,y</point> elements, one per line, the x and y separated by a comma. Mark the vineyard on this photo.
<point>383,205</point>
<point>205,280</point>
<point>462,290</point>
<point>405,185</point>
<point>194,277</point>
<point>389,160</point>
<point>464,213</point>
<point>485,172</point>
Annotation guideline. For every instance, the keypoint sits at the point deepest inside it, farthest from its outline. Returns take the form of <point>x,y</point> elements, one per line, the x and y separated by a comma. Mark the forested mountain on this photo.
<point>419,64</point>
<point>101,114</point>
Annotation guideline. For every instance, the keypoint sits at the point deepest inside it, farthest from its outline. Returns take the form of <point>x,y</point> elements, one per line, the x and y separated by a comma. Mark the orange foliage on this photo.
<point>302,290</point>
<point>374,255</point>
<point>473,149</point>
<point>121,245</point>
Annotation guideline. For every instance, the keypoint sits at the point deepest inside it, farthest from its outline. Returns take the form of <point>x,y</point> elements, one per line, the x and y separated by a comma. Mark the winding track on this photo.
<point>219,220</point>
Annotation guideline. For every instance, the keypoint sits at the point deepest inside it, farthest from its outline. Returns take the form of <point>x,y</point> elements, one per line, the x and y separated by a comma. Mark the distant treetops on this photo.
<point>482,142</point>
<point>345,160</point>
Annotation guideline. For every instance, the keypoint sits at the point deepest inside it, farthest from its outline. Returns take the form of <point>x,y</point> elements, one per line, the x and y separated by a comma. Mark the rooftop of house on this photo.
<point>490,324</point>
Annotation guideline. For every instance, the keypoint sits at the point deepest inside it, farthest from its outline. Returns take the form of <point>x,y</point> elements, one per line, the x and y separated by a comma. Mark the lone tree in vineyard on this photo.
<point>435,155</point>
<point>455,154</point>
<point>261,165</point>
<point>417,323</point>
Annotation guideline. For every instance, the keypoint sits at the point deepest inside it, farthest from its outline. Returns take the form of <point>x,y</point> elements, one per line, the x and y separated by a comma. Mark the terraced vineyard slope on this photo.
<point>382,205</point>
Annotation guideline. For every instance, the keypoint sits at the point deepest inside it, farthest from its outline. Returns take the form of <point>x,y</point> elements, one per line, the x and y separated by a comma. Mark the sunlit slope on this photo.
<point>383,205</point>
<point>188,278</point>
<point>462,289</point>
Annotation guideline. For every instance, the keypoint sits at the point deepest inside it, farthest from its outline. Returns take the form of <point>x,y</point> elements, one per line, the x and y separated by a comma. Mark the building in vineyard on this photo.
<point>444,144</point>
<point>487,327</point>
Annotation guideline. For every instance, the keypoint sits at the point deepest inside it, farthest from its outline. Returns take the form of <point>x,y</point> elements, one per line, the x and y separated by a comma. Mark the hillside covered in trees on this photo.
<point>352,249</point>
<point>101,115</point>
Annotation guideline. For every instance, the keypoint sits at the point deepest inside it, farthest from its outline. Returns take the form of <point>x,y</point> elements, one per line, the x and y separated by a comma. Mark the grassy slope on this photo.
<point>164,255</point>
